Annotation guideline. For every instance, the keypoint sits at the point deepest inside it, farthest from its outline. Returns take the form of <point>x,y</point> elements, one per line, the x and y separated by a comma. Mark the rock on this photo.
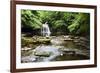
<point>72,37</point>
<point>43,54</point>
<point>76,37</point>
<point>28,59</point>
<point>44,40</point>
<point>26,41</point>
<point>26,48</point>
<point>84,39</point>
<point>49,52</point>
<point>66,36</point>
<point>84,45</point>
<point>68,51</point>
<point>68,39</point>
<point>76,41</point>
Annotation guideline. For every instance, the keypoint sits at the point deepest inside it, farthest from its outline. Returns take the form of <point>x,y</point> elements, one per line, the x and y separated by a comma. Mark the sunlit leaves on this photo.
<point>74,23</point>
<point>29,19</point>
<point>80,24</point>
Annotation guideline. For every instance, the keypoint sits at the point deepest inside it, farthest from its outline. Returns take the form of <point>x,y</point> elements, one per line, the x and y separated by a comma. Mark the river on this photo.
<point>56,50</point>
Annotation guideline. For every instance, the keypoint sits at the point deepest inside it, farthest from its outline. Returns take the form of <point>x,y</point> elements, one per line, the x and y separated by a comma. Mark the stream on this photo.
<point>56,50</point>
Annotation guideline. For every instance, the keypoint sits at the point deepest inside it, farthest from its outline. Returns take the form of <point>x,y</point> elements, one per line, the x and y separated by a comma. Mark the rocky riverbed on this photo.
<point>54,48</point>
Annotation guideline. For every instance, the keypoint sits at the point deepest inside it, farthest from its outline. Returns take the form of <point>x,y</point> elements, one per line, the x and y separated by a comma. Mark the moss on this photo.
<point>26,41</point>
<point>44,54</point>
<point>29,41</point>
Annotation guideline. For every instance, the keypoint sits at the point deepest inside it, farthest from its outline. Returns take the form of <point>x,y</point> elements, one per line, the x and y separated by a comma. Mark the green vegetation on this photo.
<point>60,23</point>
<point>69,38</point>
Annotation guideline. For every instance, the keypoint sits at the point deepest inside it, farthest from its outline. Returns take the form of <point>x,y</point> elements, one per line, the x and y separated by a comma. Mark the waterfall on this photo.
<point>45,31</point>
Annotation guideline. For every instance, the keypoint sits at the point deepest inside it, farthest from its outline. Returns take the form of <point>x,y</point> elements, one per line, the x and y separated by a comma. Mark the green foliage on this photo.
<point>74,23</point>
<point>30,19</point>
<point>80,25</point>
<point>59,23</point>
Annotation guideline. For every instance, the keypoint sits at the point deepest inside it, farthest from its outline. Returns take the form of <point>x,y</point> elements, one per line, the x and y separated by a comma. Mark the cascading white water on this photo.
<point>45,31</point>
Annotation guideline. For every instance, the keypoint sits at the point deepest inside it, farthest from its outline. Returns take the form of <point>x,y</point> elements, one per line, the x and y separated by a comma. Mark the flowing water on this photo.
<point>57,50</point>
<point>45,31</point>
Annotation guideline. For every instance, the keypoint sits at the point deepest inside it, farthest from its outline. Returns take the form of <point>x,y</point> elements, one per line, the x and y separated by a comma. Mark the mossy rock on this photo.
<point>43,54</point>
<point>26,41</point>
<point>26,53</point>
<point>44,40</point>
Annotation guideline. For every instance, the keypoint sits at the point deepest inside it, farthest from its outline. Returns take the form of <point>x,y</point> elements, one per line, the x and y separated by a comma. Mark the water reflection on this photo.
<point>55,51</point>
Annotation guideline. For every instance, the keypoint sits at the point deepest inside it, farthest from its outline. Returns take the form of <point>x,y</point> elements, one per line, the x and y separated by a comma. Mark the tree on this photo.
<point>62,23</point>
<point>80,25</point>
<point>29,19</point>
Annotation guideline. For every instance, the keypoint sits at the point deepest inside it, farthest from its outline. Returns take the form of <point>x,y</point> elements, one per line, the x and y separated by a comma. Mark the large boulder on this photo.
<point>47,53</point>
